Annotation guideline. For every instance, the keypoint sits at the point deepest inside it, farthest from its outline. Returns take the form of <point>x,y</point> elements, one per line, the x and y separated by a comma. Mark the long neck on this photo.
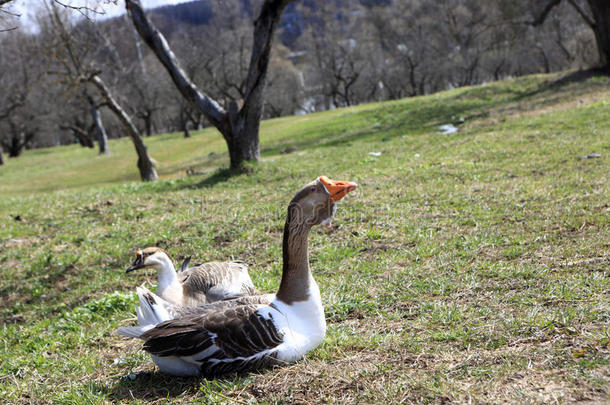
<point>166,275</point>
<point>296,276</point>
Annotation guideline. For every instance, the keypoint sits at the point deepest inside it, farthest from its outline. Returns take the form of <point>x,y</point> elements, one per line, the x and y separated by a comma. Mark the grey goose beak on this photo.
<point>137,264</point>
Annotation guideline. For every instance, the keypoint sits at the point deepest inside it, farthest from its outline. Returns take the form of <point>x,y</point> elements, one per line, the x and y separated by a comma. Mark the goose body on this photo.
<point>205,283</point>
<point>237,336</point>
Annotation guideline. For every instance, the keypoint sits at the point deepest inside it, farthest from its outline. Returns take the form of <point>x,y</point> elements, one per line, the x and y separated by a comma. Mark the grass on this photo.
<point>467,267</point>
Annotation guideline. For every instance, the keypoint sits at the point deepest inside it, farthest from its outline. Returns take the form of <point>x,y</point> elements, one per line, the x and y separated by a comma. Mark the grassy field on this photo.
<point>472,266</point>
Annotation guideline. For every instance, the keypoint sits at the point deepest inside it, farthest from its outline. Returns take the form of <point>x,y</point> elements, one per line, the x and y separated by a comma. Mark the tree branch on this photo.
<point>264,27</point>
<point>20,101</point>
<point>582,13</point>
<point>157,42</point>
<point>547,9</point>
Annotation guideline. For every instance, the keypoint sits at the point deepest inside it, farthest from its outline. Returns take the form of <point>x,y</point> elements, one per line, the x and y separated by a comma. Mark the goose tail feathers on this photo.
<point>151,311</point>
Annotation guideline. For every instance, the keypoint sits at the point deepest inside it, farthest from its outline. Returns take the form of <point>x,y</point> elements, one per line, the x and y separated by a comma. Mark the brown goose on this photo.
<point>208,282</point>
<point>235,337</point>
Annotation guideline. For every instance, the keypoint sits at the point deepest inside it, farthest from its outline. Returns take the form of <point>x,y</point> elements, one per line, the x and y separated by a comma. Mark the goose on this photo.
<point>208,282</point>
<point>235,337</point>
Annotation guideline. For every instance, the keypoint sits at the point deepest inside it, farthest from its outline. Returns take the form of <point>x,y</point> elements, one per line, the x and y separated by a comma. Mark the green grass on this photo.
<point>471,266</point>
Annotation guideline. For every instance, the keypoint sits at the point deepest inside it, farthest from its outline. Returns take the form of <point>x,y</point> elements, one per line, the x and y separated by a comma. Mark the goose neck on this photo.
<point>296,275</point>
<point>166,274</point>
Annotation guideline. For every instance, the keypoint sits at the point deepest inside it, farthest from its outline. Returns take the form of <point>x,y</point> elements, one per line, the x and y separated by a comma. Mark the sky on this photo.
<point>108,8</point>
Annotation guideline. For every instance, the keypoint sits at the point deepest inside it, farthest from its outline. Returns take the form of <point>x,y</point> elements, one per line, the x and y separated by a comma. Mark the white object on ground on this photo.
<point>448,129</point>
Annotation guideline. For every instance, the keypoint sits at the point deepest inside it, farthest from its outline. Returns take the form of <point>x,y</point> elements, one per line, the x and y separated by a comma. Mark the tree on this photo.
<point>19,115</point>
<point>239,125</point>
<point>598,21</point>
<point>72,54</point>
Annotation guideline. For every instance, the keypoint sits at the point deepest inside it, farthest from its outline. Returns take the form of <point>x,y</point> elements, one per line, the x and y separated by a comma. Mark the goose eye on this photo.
<point>313,189</point>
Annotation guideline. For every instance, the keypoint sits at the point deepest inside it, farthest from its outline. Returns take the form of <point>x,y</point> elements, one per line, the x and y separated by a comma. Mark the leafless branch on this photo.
<point>582,13</point>
<point>157,42</point>
<point>16,104</point>
<point>545,12</point>
<point>83,10</point>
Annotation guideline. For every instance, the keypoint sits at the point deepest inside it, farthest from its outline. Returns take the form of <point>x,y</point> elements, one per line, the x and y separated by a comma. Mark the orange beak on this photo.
<point>337,189</point>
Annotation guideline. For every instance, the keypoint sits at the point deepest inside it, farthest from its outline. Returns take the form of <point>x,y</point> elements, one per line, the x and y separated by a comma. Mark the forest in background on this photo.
<point>327,55</point>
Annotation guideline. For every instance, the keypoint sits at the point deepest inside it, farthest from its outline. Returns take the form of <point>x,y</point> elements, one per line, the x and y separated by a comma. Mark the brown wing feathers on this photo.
<point>180,337</point>
<point>238,333</point>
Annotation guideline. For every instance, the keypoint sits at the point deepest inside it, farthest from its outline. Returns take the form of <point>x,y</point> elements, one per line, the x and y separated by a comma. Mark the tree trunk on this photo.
<point>148,123</point>
<point>20,137</point>
<point>600,24</point>
<point>601,29</point>
<point>145,164</point>
<point>100,131</point>
<point>239,126</point>
<point>1,157</point>
<point>80,134</point>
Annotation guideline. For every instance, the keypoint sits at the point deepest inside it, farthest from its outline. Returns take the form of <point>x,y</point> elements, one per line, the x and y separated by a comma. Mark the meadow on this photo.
<point>471,266</point>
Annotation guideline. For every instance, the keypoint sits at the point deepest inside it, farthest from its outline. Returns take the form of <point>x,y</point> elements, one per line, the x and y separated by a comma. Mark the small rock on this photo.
<point>376,154</point>
<point>591,156</point>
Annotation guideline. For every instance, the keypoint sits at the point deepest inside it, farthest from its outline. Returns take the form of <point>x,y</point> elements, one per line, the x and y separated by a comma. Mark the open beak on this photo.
<point>337,189</point>
<point>137,264</point>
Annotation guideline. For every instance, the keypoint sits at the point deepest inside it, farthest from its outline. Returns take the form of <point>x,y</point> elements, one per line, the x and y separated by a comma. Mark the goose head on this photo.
<point>150,257</point>
<point>316,203</point>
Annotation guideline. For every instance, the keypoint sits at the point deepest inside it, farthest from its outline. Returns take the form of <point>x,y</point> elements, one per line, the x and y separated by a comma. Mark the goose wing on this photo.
<point>149,299</point>
<point>230,340</point>
<point>215,281</point>
<point>179,311</point>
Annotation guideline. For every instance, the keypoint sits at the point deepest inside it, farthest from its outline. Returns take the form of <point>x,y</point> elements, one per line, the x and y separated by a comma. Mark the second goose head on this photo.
<point>153,257</point>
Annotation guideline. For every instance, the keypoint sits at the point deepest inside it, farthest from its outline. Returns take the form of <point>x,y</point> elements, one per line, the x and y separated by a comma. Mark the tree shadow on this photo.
<point>570,78</point>
<point>222,175</point>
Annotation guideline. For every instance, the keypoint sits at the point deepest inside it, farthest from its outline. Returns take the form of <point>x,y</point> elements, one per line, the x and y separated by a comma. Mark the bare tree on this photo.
<point>18,117</point>
<point>240,124</point>
<point>145,164</point>
<point>20,135</point>
<point>79,70</point>
<point>597,18</point>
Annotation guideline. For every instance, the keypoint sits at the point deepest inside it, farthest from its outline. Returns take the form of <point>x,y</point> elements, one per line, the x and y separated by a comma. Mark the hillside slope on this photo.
<point>468,266</point>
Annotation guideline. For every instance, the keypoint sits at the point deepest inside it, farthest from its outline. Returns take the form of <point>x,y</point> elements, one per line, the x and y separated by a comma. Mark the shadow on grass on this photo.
<point>156,385</point>
<point>151,386</point>
<point>218,176</point>
<point>393,119</point>
<point>385,122</point>
<point>571,78</point>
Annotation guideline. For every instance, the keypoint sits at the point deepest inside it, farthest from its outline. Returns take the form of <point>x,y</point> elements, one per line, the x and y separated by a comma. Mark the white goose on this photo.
<point>208,282</point>
<point>235,337</point>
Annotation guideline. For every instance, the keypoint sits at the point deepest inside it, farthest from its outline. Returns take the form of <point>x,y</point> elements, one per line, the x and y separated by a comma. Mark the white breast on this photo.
<point>302,324</point>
